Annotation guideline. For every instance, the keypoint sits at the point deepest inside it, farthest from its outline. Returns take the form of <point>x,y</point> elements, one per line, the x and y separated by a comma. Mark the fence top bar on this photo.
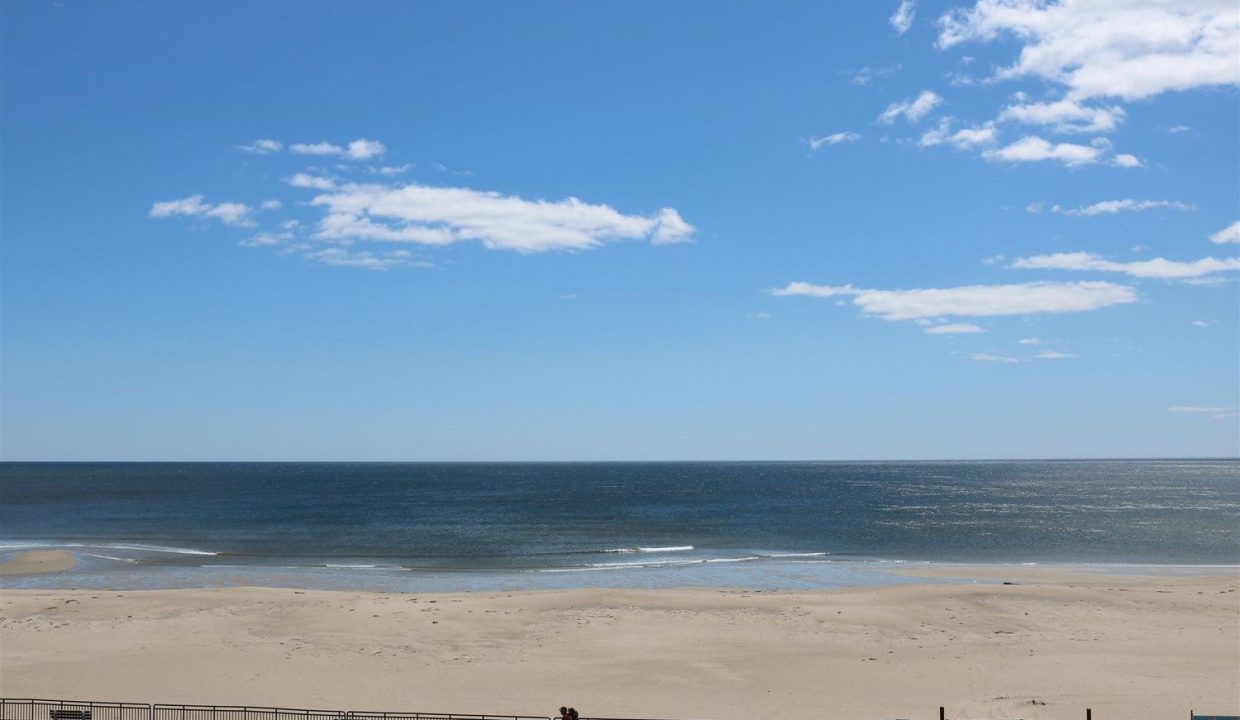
<point>463,715</point>
<point>47,701</point>
<point>249,708</point>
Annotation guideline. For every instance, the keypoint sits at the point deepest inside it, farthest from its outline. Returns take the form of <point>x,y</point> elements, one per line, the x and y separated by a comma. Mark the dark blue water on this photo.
<point>514,518</point>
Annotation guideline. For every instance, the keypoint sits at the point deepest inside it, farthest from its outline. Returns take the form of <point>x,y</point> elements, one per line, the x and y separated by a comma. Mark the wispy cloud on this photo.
<point>229,213</point>
<point>354,216</point>
<point>911,110</point>
<point>322,148</point>
<point>902,19</point>
<point>267,239</point>
<point>1201,323</point>
<point>1029,341</point>
<point>441,216</point>
<point>973,300</point>
<point>262,147</point>
<point>867,75</point>
<point>314,182</point>
<point>1065,116</point>
<point>366,259</point>
<point>1154,268</point>
<point>817,143</point>
<point>1229,234</point>
<point>1218,412</point>
<point>390,170</point>
<point>993,357</point>
<point>360,149</point>
<point>1032,148</point>
<point>1054,355</point>
<point>963,139</point>
<point>1111,207</point>
<point>953,329</point>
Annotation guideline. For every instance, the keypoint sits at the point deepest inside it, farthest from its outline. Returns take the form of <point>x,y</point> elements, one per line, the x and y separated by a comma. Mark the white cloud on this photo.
<point>1035,207</point>
<point>1229,234</point>
<point>262,147</point>
<point>314,182</point>
<point>229,213</point>
<point>963,138</point>
<point>1029,341</point>
<point>867,75</point>
<point>671,229</point>
<point>973,300</point>
<point>912,110</point>
<point>1156,268</point>
<point>440,216</point>
<point>365,259</point>
<point>811,290</point>
<point>1054,355</point>
<point>902,19</point>
<point>271,204</point>
<point>363,149</point>
<point>1111,207</point>
<point>953,329</point>
<point>319,148</point>
<point>1215,410</point>
<point>1033,149</point>
<point>1065,116</point>
<point>993,357</point>
<point>390,170</point>
<point>816,143</point>
<point>1131,49</point>
<point>1126,160</point>
<point>360,149</point>
<point>1201,323</point>
<point>1178,129</point>
<point>266,239</point>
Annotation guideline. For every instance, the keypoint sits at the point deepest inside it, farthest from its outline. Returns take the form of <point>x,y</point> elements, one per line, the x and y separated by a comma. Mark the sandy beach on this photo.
<point>1047,646</point>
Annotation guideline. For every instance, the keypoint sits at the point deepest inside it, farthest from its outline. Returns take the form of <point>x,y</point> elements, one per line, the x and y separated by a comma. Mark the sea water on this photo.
<point>467,526</point>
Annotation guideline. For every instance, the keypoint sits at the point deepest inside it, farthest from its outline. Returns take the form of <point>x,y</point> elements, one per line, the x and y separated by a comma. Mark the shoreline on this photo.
<point>1137,646</point>
<point>70,566</point>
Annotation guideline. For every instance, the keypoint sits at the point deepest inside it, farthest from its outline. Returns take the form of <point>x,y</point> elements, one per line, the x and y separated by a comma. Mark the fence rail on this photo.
<point>29,709</point>
<point>72,710</point>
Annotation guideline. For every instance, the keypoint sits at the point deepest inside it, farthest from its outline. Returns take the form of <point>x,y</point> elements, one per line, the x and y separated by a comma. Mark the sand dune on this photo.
<point>1129,647</point>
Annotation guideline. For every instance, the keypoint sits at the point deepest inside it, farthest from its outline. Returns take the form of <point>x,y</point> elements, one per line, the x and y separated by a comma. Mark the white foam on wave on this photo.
<point>667,549</point>
<point>110,557</point>
<point>660,563</point>
<point>798,555</point>
<point>105,546</point>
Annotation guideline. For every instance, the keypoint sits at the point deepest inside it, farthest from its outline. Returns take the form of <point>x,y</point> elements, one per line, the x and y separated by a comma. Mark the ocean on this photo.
<point>494,526</point>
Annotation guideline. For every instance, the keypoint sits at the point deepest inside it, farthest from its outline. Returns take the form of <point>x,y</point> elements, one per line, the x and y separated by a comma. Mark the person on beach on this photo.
<point>572,712</point>
<point>564,713</point>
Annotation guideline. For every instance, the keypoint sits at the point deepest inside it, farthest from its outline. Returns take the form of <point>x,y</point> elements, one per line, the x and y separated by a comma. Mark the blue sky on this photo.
<point>389,231</point>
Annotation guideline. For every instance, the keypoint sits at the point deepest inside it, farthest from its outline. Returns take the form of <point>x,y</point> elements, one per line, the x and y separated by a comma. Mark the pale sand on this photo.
<point>38,561</point>
<point>1129,647</point>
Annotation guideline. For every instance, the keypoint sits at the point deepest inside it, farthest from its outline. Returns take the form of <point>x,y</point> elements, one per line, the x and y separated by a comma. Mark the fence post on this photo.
<point>942,714</point>
<point>1089,714</point>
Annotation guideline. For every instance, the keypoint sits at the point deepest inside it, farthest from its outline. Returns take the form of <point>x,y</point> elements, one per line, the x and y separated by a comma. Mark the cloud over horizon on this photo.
<point>972,300</point>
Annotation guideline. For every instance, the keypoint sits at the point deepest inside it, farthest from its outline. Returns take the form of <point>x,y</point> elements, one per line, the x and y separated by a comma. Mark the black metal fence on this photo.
<point>72,710</point>
<point>26,709</point>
